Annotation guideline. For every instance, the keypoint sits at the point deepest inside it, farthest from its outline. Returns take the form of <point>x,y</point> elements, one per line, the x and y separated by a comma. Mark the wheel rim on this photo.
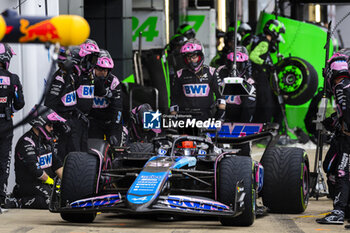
<point>305,186</point>
<point>290,79</point>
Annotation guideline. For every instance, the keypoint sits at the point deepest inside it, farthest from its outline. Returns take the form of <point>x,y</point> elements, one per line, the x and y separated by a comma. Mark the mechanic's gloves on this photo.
<point>174,108</point>
<point>113,140</point>
<point>332,123</point>
<point>268,65</point>
<point>66,128</point>
<point>49,181</point>
<point>220,114</point>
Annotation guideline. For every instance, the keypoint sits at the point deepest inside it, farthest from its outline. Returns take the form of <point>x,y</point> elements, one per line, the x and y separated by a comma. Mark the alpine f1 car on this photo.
<point>184,175</point>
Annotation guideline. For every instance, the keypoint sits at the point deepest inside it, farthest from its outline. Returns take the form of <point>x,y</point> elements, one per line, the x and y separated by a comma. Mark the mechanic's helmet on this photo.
<point>186,30</point>
<point>229,37</point>
<point>62,54</point>
<point>275,28</point>
<point>105,60</point>
<point>6,53</point>
<point>176,41</point>
<point>219,33</point>
<point>242,58</point>
<point>191,48</point>
<point>337,67</point>
<point>64,59</point>
<point>44,116</point>
<point>89,51</point>
<point>244,28</point>
<point>187,147</point>
<point>231,27</point>
<point>73,53</point>
<point>137,114</point>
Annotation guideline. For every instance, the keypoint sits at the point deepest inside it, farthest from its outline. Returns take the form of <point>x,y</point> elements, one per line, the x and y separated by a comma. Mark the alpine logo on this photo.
<point>196,90</point>
<point>139,198</point>
<point>3,100</point>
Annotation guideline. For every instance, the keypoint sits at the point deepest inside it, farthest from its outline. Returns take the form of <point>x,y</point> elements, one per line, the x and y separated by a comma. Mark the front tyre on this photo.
<point>78,182</point>
<point>231,170</point>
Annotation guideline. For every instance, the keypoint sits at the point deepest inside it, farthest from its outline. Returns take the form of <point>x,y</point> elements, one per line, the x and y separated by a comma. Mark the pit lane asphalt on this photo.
<point>21,220</point>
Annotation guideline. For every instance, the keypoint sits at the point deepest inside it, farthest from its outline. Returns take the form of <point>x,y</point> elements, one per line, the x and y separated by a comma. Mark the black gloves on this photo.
<point>220,114</point>
<point>66,128</point>
<point>332,123</point>
<point>113,140</point>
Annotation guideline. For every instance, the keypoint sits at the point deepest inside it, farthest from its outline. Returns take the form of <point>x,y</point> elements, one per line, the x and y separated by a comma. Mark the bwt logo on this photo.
<point>196,90</point>
<point>151,120</point>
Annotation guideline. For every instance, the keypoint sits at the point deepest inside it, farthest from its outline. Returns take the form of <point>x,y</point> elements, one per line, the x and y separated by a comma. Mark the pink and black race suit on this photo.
<point>33,157</point>
<point>62,96</point>
<point>195,91</point>
<point>11,100</point>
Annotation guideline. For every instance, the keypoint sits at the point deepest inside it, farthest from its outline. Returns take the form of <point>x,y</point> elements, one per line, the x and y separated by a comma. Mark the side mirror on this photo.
<point>237,86</point>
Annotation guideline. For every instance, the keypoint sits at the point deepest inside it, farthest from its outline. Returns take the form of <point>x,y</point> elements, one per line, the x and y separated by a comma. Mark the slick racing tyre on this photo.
<point>297,80</point>
<point>286,180</point>
<point>78,182</point>
<point>141,147</point>
<point>231,170</point>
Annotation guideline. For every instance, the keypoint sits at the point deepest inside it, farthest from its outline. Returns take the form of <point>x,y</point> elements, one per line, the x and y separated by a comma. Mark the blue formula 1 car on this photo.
<point>184,175</point>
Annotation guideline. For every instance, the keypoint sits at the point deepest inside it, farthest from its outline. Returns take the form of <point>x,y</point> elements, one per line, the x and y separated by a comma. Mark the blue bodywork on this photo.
<point>149,182</point>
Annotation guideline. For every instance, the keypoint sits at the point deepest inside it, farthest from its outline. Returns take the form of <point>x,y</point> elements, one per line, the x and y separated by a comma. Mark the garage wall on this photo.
<point>341,11</point>
<point>31,64</point>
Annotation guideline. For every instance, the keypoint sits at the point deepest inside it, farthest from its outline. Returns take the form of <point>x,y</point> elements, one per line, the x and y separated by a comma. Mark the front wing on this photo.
<point>171,204</point>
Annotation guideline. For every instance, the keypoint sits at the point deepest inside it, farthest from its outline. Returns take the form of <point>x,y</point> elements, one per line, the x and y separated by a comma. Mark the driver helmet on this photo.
<point>275,28</point>
<point>337,67</point>
<point>186,30</point>
<point>187,147</point>
<point>242,58</point>
<point>191,48</point>
<point>44,116</point>
<point>6,53</point>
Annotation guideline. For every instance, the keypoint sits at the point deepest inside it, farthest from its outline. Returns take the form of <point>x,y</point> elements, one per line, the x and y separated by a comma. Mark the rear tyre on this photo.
<point>141,147</point>
<point>78,182</point>
<point>232,170</point>
<point>286,180</point>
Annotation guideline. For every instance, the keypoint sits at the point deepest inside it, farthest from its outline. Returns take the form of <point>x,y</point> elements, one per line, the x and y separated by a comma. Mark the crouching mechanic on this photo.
<point>338,80</point>
<point>195,86</point>
<point>106,113</point>
<point>36,161</point>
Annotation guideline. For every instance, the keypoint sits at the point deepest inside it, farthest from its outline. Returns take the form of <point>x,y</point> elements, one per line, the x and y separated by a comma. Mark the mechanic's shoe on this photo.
<point>3,210</point>
<point>260,211</point>
<point>335,217</point>
<point>11,202</point>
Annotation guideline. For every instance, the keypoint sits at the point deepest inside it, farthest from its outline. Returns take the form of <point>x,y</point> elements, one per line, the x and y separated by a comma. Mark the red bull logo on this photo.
<point>43,31</point>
